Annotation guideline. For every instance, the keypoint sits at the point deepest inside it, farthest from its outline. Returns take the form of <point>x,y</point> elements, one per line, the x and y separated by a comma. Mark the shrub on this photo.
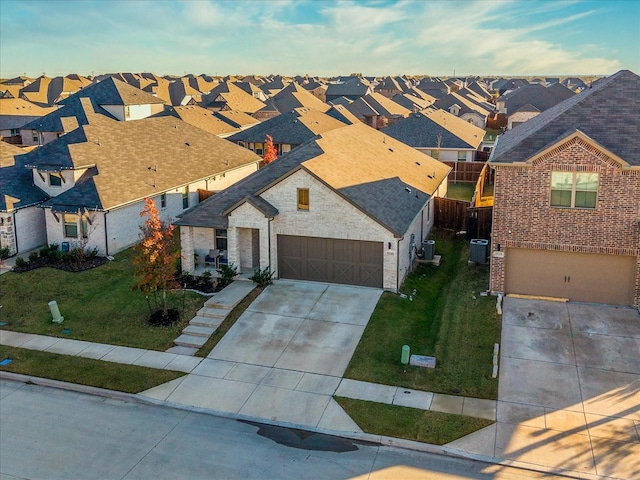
<point>21,262</point>
<point>44,251</point>
<point>227,273</point>
<point>263,277</point>
<point>5,252</point>
<point>33,256</point>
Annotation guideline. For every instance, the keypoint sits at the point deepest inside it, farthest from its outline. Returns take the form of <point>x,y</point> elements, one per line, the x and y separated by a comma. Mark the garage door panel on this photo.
<point>576,276</point>
<point>350,262</point>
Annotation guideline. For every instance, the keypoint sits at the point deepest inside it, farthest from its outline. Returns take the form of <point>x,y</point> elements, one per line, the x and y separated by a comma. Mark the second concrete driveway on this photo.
<point>284,357</point>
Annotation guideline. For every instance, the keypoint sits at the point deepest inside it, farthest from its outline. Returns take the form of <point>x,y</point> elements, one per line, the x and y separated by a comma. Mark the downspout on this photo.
<point>398,266</point>
<point>106,237</point>
<point>269,242</point>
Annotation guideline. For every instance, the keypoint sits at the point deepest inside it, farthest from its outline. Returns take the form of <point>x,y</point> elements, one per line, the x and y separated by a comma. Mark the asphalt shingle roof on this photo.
<point>607,113</point>
<point>16,181</point>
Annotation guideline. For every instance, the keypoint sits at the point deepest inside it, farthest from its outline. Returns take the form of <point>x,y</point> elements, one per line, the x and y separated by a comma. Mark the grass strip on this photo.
<point>84,371</point>
<point>425,426</point>
<point>446,318</point>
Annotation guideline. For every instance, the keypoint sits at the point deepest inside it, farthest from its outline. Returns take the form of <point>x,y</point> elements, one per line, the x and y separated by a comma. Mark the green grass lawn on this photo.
<point>98,305</point>
<point>436,428</point>
<point>84,371</point>
<point>460,191</point>
<point>447,319</point>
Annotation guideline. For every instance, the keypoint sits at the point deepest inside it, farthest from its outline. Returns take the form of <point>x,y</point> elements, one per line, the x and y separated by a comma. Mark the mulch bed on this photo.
<point>61,264</point>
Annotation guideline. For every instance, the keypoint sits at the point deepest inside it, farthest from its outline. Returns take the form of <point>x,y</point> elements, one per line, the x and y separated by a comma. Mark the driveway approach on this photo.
<point>569,395</point>
<point>284,357</point>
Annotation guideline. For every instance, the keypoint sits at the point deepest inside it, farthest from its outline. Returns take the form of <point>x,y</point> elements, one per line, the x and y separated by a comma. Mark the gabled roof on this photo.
<point>136,159</point>
<point>16,181</point>
<point>16,112</point>
<point>294,96</point>
<point>112,91</point>
<point>606,113</point>
<point>428,128</point>
<point>201,118</point>
<point>410,102</point>
<point>228,96</point>
<point>539,96</point>
<point>386,179</point>
<point>236,118</point>
<point>377,104</point>
<point>340,112</point>
<point>352,88</point>
<point>466,105</point>
<point>293,128</point>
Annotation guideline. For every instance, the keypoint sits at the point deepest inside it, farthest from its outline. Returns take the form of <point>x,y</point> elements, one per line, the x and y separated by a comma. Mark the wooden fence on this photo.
<point>465,172</point>
<point>204,194</point>
<point>458,215</point>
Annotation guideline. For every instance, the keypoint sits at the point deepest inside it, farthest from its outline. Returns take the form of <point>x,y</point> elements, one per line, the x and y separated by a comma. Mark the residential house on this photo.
<point>291,97</point>
<point>46,92</point>
<point>434,87</point>
<point>15,113</point>
<point>11,87</point>
<point>98,175</point>
<point>318,89</point>
<point>353,88</point>
<point>376,110</point>
<point>287,130</point>
<point>182,93</point>
<point>253,90</point>
<point>274,85</point>
<point>201,118</point>
<point>237,119</point>
<point>228,96</point>
<point>439,134</point>
<point>22,225</point>
<point>341,113</point>
<point>465,107</point>
<point>349,206</point>
<point>110,97</point>
<point>566,214</point>
<point>526,102</point>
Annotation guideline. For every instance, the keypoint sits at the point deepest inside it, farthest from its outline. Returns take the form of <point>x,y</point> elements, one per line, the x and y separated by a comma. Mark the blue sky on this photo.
<point>319,37</point>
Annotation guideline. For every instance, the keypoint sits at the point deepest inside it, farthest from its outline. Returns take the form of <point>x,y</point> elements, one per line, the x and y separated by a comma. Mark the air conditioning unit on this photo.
<point>478,250</point>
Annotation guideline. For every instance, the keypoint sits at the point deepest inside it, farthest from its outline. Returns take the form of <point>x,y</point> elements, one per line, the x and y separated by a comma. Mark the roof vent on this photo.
<point>417,163</point>
<point>187,144</point>
<point>407,189</point>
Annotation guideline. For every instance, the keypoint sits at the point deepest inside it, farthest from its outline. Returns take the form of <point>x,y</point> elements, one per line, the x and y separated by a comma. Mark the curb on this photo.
<point>380,440</point>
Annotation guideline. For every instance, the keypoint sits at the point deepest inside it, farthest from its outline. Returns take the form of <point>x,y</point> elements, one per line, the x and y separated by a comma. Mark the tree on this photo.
<point>270,153</point>
<point>156,257</point>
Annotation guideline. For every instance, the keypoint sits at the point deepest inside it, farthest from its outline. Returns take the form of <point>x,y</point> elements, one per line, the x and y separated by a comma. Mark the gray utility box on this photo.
<point>478,250</point>
<point>428,249</point>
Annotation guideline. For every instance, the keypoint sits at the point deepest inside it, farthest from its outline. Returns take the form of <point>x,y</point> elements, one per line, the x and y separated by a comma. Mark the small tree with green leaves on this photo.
<point>156,258</point>
<point>270,152</point>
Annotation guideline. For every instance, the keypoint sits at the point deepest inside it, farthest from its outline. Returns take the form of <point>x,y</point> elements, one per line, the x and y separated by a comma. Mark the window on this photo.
<point>163,200</point>
<point>303,199</point>
<point>55,179</point>
<point>14,132</point>
<point>574,189</point>
<point>34,135</point>
<point>70,225</point>
<point>462,156</point>
<point>185,197</point>
<point>259,148</point>
<point>221,239</point>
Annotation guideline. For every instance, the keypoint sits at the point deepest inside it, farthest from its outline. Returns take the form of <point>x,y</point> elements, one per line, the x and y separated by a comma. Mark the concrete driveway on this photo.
<point>569,394</point>
<point>284,357</point>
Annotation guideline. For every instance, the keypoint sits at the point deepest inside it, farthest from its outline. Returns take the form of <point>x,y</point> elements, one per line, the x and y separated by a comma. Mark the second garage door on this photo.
<point>581,277</point>
<point>350,262</point>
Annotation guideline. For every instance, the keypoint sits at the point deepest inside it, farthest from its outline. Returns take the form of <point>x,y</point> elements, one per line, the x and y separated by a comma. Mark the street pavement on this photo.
<point>48,433</point>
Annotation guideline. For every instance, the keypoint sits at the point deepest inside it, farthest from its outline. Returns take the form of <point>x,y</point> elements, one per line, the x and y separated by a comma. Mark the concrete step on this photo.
<point>198,331</point>
<point>209,322</point>
<point>190,341</point>
<point>213,312</point>
<point>188,351</point>
<point>231,295</point>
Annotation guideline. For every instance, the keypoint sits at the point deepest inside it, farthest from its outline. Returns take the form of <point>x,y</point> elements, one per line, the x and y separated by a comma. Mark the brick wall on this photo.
<point>523,217</point>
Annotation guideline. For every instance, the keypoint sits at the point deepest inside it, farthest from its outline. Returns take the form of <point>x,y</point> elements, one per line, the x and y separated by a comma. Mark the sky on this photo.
<point>320,37</point>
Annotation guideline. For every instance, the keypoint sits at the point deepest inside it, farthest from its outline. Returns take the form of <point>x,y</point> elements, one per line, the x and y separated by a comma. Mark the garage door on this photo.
<point>330,260</point>
<point>577,276</point>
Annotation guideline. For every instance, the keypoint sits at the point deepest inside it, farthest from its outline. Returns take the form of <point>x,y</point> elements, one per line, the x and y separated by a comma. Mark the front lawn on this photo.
<point>84,371</point>
<point>448,319</point>
<point>98,305</point>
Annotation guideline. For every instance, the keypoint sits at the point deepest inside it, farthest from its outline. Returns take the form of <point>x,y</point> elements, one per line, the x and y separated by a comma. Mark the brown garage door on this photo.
<point>331,260</point>
<point>577,276</point>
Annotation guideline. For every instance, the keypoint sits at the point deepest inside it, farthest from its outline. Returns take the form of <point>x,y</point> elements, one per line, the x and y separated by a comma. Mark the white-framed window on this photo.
<point>221,239</point>
<point>14,132</point>
<point>70,223</point>
<point>34,135</point>
<point>462,156</point>
<point>185,197</point>
<point>574,189</point>
<point>303,199</point>
<point>163,200</point>
<point>55,180</point>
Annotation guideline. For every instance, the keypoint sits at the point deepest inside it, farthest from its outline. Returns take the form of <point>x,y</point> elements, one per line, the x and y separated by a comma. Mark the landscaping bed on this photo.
<point>77,259</point>
<point>447,318</point>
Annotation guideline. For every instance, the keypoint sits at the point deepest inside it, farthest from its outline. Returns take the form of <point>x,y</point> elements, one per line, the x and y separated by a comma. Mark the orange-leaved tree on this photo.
<point>270,152</point>
<point>156,257</point>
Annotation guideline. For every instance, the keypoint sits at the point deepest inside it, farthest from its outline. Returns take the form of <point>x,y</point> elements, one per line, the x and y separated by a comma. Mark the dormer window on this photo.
<point>55,180</point>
